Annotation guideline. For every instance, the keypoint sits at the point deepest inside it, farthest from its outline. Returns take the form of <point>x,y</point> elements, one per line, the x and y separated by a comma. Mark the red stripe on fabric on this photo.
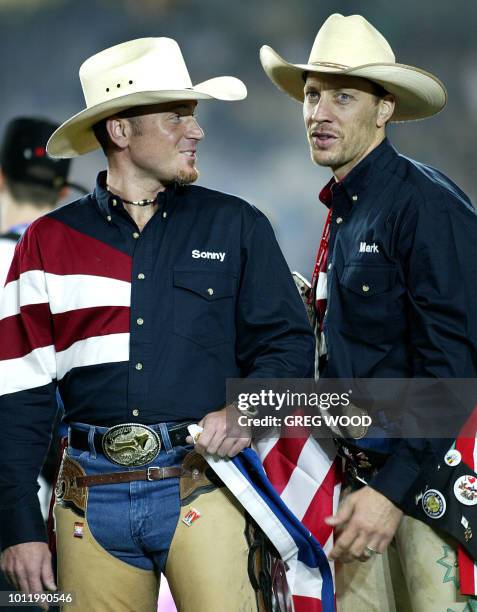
<point>53,246</point>
<point>465,444</point>
<point>75,325</point>
<point>466,572</point>
<point>282,460</point>
<point>23,333</point>
<point>307,604</point>
<point>321,506</point>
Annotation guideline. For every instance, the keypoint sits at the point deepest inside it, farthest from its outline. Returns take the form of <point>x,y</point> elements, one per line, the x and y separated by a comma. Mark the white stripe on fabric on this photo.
<point>263,447</point>
<point>36,369</point>
<point>96,350</point>
<point>322,286</point>
<point>312,467</point>
<point>64,293</point>
<point>239,486</point>
<point>30,288</point>
<point>304,581</point>
<point>75,291</point>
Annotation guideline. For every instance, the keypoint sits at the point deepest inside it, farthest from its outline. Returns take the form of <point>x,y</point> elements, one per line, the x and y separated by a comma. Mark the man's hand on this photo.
<point>214,440</point>
<point>364,518</point>
<point>28,567</point>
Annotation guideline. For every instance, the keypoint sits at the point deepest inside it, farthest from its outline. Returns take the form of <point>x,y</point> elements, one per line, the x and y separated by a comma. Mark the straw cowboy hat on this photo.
<point>135,73</point>
<point>352,46</point>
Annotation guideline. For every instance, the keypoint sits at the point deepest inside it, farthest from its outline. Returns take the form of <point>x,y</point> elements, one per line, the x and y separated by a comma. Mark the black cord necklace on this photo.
<point>134,202</point>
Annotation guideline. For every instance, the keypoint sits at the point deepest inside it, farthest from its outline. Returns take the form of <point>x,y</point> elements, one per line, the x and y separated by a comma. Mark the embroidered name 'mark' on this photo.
<point>196,254</point>
<point>368,248</point>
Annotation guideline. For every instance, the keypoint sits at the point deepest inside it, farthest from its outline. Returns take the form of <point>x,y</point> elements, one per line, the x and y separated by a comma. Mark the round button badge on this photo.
<point>433,503</point>
<point>453,457</point>
<point>465,490</point>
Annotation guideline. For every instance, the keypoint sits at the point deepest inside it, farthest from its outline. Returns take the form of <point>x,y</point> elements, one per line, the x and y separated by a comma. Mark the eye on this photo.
<point>175,118</point>
<point>311,95</point>
<point>343,98</point>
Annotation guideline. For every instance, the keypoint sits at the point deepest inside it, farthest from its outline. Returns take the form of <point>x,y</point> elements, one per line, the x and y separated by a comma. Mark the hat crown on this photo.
<point>350,41</point>
<point>144,64</point>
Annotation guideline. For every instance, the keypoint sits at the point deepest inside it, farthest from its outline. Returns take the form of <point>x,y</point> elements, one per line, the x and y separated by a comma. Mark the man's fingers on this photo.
<point>47,576</point>
<point>239,445</point>
<point>343,514</point>
<point>343,544</point>
<point>358,548</point>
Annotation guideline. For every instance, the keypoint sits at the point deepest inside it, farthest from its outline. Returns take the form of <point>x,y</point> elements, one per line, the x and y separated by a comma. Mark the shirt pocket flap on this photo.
<point>368,280</point>
<point>209,285</point>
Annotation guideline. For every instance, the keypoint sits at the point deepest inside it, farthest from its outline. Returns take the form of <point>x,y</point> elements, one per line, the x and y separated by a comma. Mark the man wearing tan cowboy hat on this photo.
<point>394,294</point>
<point>138,301</point>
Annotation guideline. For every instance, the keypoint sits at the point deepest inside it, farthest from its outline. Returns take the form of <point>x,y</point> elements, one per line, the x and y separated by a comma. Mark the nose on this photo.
<point>194,131</point>
<point>320,112</point>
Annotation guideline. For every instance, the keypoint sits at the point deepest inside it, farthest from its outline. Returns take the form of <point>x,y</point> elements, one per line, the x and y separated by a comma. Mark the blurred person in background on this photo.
<point>138,301</point>
<point>31,184</point>
<point>395,295</point>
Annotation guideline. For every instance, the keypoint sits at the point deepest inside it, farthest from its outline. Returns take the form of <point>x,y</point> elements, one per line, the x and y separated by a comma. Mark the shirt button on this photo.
<point>139,321</point>
<point>138,366</point>
<point>210,291</point>
<point>354,197</point>
<point>109,217</point>
<point>141,276</point>
<point>114,202</point>
<point>136,235</point>
<point>164,215</point>
<point>135,412</point>
<point>339,220</point>
<point>365,288</point>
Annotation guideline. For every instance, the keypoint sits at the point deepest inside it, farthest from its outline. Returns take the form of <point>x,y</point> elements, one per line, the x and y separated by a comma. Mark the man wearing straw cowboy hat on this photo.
<point>394,289</point>
<point>138,301</point>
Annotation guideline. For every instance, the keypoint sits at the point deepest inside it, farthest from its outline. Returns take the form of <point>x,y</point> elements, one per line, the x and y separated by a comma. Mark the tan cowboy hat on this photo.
<point>352,46</point>
<point>135,73</point>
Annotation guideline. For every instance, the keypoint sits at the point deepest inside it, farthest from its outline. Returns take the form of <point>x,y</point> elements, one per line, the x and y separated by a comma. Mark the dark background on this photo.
<point>255,148</point>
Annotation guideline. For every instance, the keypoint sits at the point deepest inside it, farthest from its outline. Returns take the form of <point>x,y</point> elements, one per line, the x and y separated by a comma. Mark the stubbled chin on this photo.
<point>185,177</point>
<point>322,158</point>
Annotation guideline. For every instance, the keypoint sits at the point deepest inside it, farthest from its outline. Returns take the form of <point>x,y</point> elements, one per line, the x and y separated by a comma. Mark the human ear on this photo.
<point>385,110</point>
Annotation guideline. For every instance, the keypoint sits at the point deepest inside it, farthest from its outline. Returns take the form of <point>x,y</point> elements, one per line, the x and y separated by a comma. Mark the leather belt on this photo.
<point>78,438</point>
<point>151,473</point>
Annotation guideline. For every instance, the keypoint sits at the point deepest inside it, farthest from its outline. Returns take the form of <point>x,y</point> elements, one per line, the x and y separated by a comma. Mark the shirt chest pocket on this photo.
<point>204,306</point>
<point>370,300</point>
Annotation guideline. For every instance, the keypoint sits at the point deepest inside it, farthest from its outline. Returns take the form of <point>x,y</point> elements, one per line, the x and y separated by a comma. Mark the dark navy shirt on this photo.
<point>136,326</point>
<point>402,290</point>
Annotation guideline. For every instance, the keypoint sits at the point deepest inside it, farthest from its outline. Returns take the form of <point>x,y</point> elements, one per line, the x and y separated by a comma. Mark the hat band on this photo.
<point>329,65</point>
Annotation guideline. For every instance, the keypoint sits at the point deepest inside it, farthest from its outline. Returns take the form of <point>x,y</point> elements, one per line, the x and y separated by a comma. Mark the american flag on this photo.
<point>290,505</point>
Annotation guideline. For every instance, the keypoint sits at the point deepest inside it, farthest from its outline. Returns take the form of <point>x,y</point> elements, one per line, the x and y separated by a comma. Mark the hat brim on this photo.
<point>75,136</point>
<point>418,93</point>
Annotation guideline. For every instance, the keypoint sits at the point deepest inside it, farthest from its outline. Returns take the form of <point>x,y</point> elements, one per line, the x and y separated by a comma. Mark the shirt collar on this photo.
<point>105,199</point>
<point>358,179</point>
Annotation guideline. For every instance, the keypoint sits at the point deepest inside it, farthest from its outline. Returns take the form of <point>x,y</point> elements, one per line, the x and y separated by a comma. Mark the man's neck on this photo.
<point>130,186</point>
<point>343,171</point>
<point>17,214</point>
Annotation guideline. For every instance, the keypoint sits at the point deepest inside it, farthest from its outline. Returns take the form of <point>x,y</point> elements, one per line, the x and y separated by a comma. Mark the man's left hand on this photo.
<point>366,522</point>
<point>214,439</point>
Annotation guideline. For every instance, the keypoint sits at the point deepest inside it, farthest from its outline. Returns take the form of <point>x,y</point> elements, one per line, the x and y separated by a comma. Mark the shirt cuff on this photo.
<point>394,480</point>
<point>24,524</point>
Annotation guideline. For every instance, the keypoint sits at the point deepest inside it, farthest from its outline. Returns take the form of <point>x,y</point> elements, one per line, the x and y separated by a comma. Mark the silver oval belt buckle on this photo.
<point>131,444</point>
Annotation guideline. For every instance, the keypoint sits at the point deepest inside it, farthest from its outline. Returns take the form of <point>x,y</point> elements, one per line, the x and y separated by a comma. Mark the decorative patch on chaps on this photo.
<point>66,492</point>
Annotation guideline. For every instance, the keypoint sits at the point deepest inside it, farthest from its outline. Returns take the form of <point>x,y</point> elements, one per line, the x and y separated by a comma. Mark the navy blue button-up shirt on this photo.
<point>136,326</point>
<point>402,291</point>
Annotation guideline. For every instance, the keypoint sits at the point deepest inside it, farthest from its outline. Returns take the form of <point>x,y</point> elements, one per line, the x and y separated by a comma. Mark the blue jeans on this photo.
<point>133,521</point>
